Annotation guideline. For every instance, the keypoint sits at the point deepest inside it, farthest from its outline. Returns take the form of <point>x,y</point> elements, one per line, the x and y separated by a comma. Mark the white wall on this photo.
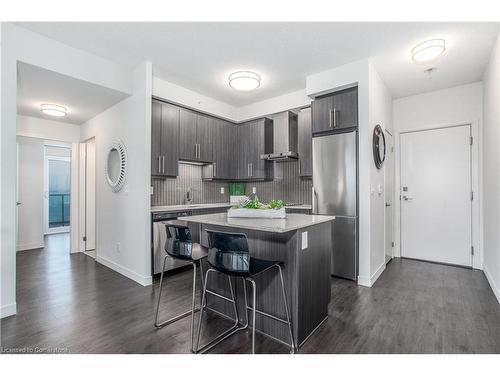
<point>295,99</point>
<point>454,106</point>
<point>380,113</point>
<point>19,44</point>
<point>192,99</point>
<point>47,129</point>
<point>31,186</point>
<point>491,170</point>
<point>122,219</point>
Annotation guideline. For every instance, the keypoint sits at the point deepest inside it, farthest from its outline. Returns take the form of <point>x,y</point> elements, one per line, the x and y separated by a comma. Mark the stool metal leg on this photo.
<point>180,316</point>
<point>193,306</point>
<point>292,343</point>
<point>224,335</point>
<point>254,303</point>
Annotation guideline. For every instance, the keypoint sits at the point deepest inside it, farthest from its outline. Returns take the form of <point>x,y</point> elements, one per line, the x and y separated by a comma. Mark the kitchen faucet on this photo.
<point>189,197</point>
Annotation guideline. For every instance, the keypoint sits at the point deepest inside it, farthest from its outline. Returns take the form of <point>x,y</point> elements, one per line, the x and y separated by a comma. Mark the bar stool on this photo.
<point>179,245</point>
<point>228,254</point>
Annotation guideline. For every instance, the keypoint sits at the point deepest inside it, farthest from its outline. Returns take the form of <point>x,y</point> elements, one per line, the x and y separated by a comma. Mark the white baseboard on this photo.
<point>378,272</point>
<point>30,246</point>
<point>369,281</point>
<point>493,286</point>
<point>8,310</point>
<point>143,280</point>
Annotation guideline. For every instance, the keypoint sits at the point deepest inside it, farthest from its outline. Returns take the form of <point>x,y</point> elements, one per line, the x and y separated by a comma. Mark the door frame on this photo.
<point>393,198</point>
<point>83,195</point>
<point>47,158</point>
<point>477,203</point>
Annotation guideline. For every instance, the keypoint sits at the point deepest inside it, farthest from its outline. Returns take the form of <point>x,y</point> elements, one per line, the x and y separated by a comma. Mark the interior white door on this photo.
<point>389,196</point>
<point>436,195</point>
<point>90,181</point>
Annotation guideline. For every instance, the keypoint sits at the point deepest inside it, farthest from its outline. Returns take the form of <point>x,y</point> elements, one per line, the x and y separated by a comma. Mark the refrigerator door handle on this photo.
<point>314,210</point>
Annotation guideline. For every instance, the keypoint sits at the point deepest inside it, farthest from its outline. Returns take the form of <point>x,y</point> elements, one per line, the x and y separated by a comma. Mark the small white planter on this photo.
<point>257,213</point>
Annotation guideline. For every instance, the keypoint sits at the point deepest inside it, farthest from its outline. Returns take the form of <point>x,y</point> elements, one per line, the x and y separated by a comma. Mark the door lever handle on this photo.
<point>407,198</point>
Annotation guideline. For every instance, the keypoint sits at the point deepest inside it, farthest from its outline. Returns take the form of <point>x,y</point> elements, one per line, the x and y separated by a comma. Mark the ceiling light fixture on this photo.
<point>244,80</point>
<point>428,50</point>
<point>54,110</point>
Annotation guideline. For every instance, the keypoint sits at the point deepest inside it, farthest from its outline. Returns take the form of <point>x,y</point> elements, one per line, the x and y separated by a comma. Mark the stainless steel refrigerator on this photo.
<point>335,192</point>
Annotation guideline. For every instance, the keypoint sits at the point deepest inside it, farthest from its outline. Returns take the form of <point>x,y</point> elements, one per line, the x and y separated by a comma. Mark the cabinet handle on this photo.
<point>159,164</point>
<point>334,118</point>
<point>248,169</point>
<point>163,164</point>
<point>330,122</point>
<point>300,163</point>
<point>215,169</point>
<point>199,151</point>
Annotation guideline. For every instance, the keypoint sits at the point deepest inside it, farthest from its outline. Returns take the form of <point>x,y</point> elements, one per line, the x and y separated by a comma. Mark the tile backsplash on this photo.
<point>287,186</point>
<point>172,191</point>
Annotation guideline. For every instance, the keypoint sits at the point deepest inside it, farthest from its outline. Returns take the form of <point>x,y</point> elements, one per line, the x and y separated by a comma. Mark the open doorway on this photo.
<point>88,197</point>
<point>57,188</point>
<point>44,195</point>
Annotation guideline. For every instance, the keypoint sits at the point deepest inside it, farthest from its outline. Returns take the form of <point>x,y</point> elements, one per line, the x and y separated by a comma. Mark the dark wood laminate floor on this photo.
<point>76,305</point>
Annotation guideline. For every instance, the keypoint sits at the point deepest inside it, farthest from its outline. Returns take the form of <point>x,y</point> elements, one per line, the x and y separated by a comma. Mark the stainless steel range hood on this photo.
<point>284,138</point>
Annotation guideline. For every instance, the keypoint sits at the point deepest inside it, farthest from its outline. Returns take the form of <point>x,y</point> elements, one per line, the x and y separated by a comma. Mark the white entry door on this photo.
<point>435,193</point>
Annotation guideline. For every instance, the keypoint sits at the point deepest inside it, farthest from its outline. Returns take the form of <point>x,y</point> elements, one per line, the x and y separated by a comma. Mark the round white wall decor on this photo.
<point>116,165</point>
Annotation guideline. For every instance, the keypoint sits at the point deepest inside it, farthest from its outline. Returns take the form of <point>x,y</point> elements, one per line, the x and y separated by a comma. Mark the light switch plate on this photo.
<point>254,190</point>
<point>222,190</point>
<point>304,241</point>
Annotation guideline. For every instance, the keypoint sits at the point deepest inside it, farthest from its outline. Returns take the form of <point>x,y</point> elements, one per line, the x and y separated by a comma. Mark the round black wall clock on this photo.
<point>378,146</point>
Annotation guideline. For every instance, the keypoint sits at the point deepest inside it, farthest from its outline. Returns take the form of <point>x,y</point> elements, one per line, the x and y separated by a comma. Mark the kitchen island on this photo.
<point>303,243</point>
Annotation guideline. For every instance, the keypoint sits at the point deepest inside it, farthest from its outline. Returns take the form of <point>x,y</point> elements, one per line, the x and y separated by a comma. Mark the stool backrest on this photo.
<point>179,242</point>
<point>228,251</point>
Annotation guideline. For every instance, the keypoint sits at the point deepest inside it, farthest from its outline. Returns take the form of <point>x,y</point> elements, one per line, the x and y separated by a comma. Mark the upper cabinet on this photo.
<point>229,151</point>
<point>335,111</point>
<point>255,138</point>
<point>164,139</point>
<point>304,144</point>
<point>195,139</point>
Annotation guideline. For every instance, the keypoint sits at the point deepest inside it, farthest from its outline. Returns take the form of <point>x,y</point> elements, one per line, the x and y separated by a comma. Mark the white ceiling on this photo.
<point>200,56</point>
<point>83,100</point>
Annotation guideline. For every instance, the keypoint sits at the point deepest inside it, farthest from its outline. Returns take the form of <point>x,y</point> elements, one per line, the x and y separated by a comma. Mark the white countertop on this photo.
<point>189,207</point>
<point>292,222</point>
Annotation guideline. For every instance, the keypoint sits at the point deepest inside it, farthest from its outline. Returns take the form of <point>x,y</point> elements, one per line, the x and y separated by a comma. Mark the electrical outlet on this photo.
<point>304,241</point>
<point>222,190</point>
<point>254,190</point>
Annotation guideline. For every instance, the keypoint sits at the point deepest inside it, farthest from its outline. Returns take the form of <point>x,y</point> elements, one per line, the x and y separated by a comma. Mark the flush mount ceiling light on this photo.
<point>244,80</point>
<point>428,50</point>
<point>54,110</point>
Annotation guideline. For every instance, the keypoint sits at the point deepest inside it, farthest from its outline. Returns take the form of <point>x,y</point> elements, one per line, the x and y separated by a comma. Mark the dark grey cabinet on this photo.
<point>230,151</point>
<point>156,138</point>
<point>164,139</point>
<point>304,144</point>
<point>335,111</point>
<point>188,147</point>
<point>254,139</point>
<point>196,135</point>
<point>222,137</point>
<point>205,126</point>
